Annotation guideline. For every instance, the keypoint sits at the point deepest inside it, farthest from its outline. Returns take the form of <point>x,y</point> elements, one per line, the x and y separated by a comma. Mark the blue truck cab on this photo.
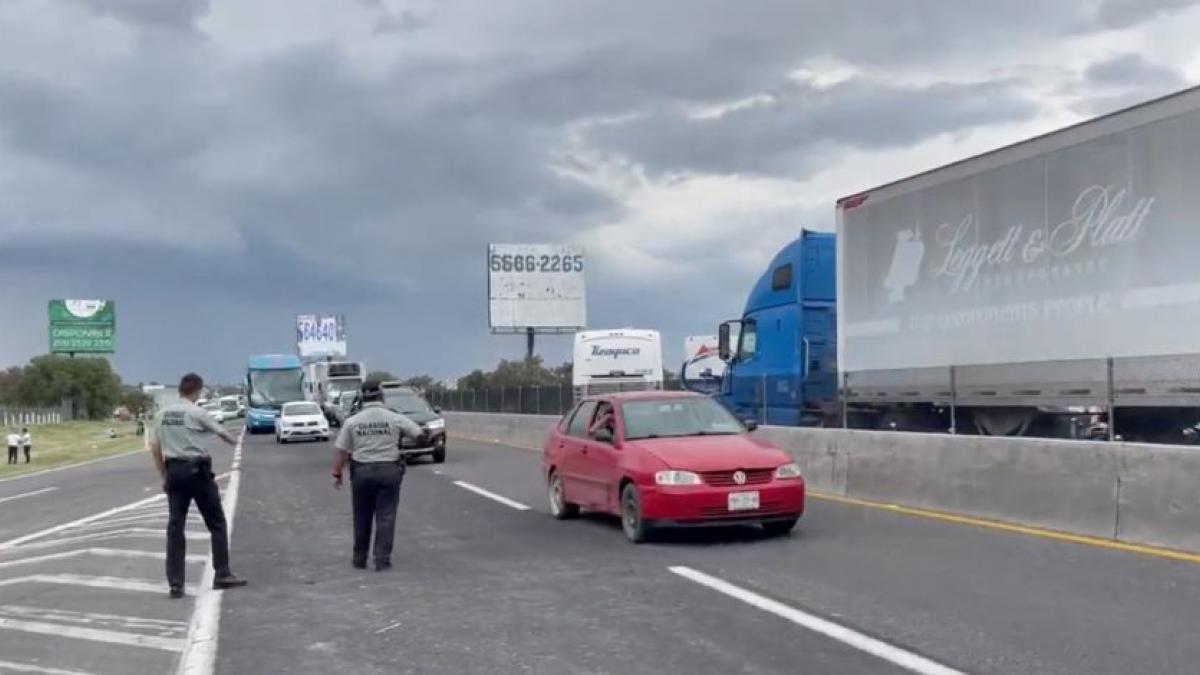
<point>783,365</point>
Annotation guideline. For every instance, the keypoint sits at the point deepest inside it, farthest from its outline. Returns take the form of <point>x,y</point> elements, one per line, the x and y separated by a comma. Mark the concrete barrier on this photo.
<point>1145,494</point>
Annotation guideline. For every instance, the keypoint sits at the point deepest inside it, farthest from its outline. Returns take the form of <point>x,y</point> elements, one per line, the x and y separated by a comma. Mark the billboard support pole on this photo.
<point>529,344</point>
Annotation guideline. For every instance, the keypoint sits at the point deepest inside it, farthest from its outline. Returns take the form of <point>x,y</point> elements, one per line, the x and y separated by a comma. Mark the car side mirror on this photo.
<point>751,424</point>
<point>603,435</point>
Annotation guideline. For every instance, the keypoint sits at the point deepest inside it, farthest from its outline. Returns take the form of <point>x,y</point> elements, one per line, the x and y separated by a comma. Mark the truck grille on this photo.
<point>725,478</point>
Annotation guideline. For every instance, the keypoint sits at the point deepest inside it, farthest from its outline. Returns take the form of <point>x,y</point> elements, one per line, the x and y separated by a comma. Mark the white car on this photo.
<point>301,420</point>
<point>217,414</point>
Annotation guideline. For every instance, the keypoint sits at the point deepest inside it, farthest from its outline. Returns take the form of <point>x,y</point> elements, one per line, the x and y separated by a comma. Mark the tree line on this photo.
<point>507,374</point>
<point>87,386</point>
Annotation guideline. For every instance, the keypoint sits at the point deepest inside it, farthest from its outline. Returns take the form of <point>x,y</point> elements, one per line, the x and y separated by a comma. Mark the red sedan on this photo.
<point>668,459</point>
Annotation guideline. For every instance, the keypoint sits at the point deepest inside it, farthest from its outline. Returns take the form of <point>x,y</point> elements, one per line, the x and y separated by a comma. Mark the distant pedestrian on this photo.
<point>177,443</point>
<point>14,443</point>
<point>370,442</point>
<point>27,444</point>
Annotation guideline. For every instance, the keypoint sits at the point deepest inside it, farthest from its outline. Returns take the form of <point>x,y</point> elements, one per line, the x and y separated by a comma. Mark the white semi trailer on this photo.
<point>1043,282</point>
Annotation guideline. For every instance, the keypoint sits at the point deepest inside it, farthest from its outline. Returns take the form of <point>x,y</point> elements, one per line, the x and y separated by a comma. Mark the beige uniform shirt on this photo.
<point>183,430</point>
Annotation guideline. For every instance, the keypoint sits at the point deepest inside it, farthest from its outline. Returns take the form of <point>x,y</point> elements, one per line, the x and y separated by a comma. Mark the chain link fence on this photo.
<point>529,400</point>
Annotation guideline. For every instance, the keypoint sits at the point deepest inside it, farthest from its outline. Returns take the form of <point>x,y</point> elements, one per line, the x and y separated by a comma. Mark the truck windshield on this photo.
<point>679,417</point>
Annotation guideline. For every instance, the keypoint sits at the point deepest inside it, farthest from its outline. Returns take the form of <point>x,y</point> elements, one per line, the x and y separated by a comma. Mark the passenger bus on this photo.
<point>271,381</point>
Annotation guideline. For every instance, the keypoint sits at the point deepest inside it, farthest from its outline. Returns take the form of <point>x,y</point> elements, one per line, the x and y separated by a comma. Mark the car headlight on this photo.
<point>436,424</point>
<point>676,478</point>
<point>790,470</point>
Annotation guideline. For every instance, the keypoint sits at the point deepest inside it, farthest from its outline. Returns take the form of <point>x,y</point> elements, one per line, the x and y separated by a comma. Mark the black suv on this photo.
<point>409,402</point>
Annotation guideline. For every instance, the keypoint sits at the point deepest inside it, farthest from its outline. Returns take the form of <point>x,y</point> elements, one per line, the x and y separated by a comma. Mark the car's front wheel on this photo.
<point>632,523</point>
<point>778,528</point>
<point>560,508</point>
<point>439,455</point>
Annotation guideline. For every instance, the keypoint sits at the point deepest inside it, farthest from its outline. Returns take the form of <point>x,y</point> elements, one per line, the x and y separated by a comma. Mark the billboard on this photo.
<point>538,286</point>
<point>320,335</point>
<point>1078,245</point>
<point>82,326</point>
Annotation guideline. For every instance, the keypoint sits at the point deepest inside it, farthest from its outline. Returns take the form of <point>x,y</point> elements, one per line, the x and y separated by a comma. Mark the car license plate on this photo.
<point>743,501</point>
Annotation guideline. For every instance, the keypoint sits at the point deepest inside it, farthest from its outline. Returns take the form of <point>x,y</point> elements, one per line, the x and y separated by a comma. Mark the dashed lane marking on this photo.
<point>33,668</point>
<point>23,495</point>
<point>99,552</point>
<point>491,495</point>
<point>847,636</point>
<point>109,583</point>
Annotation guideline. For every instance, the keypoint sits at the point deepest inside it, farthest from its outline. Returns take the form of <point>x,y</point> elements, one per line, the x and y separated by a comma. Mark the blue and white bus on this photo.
<point>271,381</point>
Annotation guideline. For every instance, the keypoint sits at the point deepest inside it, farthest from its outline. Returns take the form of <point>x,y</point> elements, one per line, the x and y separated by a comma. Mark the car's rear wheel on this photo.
<point>560,508</point>
<point>779,528</point>
<point>632,523</point>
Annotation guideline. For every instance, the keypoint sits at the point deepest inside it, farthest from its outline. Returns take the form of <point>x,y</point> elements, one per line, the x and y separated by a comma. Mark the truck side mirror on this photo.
<point>723,350</point>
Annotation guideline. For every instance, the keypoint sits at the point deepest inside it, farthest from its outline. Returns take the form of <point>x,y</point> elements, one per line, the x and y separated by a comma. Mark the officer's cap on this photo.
<point>371,389</point>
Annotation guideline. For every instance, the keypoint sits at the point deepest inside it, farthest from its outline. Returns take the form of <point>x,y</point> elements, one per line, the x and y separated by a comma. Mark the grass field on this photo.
<point>72,442</point>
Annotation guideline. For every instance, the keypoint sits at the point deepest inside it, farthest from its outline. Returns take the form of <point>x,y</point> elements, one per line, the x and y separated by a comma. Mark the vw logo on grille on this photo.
<point>739,477</point>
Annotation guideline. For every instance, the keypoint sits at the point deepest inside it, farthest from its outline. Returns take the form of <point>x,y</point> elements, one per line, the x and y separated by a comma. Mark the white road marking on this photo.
<point>13,543</point>
<point>491,495</point>
<point>134,532</point>
<point>160,627</point>
<point>99,553</point>
<point>27,494</point>
<point>41,670</point>
<point>94,634</point>
<point>70,466</point>
<point>110,583</point>
<point>878,648</point>
<point>387,628</point>
<point>200,648</point>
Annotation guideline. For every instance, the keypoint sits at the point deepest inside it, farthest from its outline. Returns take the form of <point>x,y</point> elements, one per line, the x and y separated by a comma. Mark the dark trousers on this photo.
<point>28,452</point>
<point>189,481</point>
<point>375,488</point>
<point>12,454</point>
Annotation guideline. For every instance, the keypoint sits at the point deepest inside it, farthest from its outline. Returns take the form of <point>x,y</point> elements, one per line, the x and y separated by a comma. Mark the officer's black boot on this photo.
<point>359,564</point>
<point>176,592</point>
<point>226,581</point>
<point>383,565</point>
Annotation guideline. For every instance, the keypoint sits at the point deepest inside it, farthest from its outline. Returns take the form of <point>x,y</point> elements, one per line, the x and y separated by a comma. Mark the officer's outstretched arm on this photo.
<point>409,427</point>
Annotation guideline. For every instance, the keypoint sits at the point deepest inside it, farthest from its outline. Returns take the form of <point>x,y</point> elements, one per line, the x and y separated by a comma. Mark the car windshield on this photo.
<point>405,402</point>
<point>229,406</point>
<point>677,417</point>
<point>293,409</point>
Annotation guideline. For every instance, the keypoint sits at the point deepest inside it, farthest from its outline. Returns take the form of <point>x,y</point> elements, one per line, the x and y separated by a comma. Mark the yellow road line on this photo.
<point>1097,542</point>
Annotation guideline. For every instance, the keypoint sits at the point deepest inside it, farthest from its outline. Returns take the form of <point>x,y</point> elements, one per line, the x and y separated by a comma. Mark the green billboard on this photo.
<point>82,327</point>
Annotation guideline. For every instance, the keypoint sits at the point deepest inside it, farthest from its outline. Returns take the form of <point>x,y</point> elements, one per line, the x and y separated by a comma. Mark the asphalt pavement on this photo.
<point>482,585</point>
<point>486,582</point>
<point>82,586</point>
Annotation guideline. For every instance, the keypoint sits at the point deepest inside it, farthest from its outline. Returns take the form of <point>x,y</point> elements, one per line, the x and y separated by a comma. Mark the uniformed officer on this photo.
<point>180,432</point>
<point>370,442</point>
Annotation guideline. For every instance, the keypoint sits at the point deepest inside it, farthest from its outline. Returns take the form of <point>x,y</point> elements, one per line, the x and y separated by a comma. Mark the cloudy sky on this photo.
<point>216,166</point>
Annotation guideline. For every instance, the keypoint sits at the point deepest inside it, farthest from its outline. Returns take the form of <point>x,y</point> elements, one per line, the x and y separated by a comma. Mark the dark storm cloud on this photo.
<point>1131,70</point>
<point>1125,13</point>
<point>784,136</point>
<point>173,14</point>
<point>222,188</point>
<point>1122,81</point>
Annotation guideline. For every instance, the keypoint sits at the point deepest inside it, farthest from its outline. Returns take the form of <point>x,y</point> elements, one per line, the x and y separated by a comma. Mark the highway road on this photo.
<point>483,586</point>
<point>82,586</point>
<point>486,582</point>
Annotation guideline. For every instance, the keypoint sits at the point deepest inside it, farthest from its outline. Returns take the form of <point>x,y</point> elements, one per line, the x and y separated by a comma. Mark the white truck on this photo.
<point>1042,283</point>
<point>621,359</point>
<point>324,382</point>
